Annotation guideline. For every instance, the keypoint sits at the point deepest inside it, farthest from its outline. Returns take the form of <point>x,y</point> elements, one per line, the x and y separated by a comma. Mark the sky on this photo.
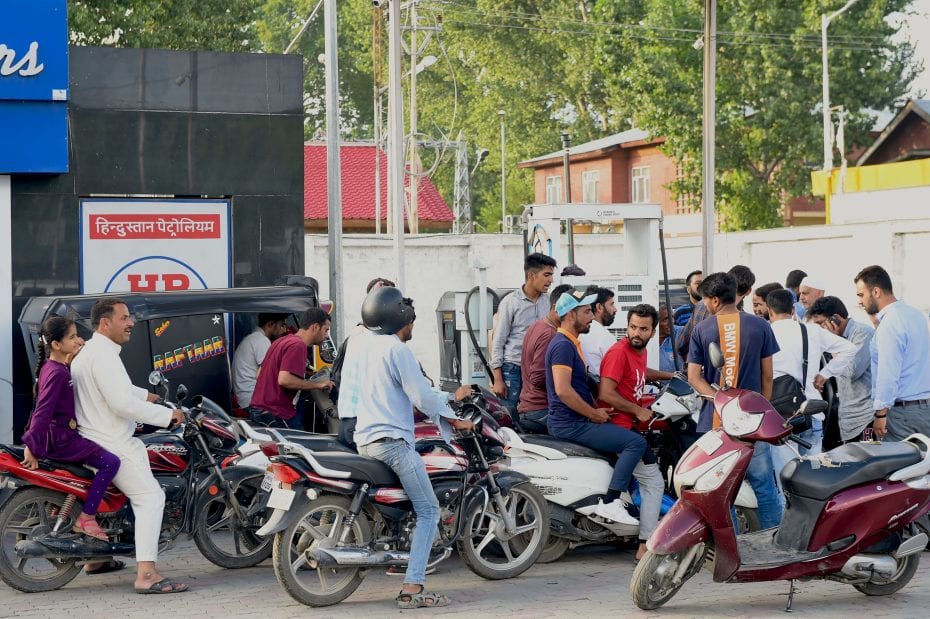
<point>917,28</point>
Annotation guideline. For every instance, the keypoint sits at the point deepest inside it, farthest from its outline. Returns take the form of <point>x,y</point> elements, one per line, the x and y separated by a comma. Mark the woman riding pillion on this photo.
<point>381,384</point>
<point>53,430</point>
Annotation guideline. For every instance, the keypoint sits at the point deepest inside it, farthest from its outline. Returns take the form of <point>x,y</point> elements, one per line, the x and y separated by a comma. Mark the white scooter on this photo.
<point>573,478</point>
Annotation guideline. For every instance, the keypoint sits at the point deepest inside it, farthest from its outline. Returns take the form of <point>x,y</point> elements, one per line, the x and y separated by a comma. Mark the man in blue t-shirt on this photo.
<point>573,414</point>
<point>754,345</point>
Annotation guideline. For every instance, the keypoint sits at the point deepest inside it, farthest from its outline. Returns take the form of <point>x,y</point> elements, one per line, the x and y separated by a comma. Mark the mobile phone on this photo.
<point>835,320</point>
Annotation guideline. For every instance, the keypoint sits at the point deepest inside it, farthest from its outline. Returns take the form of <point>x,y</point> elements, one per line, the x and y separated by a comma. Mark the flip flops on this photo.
<point>113,565</point>
<point>165,585</point>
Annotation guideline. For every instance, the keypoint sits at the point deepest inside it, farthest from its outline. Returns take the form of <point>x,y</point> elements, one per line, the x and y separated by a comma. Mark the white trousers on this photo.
<point>651,490</point>
<point>136,481</point>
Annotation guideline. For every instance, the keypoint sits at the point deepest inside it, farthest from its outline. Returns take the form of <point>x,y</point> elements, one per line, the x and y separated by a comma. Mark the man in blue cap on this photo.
<point>573,414</point>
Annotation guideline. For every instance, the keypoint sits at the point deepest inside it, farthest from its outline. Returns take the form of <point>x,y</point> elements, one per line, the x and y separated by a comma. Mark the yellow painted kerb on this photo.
<point>871,178</point>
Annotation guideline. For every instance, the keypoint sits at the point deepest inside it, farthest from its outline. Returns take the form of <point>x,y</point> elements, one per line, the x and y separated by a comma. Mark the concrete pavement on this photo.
<point>589,582</point>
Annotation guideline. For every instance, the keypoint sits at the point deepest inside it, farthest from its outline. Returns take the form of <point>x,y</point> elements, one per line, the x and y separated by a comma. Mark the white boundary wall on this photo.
<point>437,263</point>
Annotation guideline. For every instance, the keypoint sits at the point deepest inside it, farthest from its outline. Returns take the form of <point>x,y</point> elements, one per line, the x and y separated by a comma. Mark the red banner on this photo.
<point>143,226</point>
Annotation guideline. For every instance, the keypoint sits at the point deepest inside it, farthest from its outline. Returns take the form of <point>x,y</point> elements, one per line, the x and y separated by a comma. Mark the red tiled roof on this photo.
<point>358,186</point>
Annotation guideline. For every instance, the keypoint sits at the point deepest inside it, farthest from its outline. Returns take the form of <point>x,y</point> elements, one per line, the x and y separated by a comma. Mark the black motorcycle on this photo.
<point>338,513</point>
<point>220,507</point>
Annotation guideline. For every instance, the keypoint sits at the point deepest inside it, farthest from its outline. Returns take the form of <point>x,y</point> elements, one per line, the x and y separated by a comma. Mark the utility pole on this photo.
<point>333,168</point>
<point>567,175</point>
<point>396,138</point>
<point>708,210</point>
<point>377,32</point>
<point>501,115</point>
<point>413,215</point>
<point>827,125</point>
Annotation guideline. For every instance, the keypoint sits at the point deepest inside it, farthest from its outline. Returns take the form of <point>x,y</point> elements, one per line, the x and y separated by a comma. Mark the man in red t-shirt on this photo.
<point>624,372</point>
<point>281,374</point>
<point>623,377</point>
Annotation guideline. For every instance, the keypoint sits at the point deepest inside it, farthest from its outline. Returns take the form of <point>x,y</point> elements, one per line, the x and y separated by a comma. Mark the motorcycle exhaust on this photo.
<point>364,557</point>
<point>355,557</point>
<point>876,568</point>
<point>63,547</point>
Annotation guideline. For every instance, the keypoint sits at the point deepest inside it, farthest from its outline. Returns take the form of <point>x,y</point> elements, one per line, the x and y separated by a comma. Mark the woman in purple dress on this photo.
<point>52,431</point>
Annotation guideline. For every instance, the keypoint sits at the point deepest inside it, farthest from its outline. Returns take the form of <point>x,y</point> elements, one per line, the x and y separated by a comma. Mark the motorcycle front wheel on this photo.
<point>321,525</point>
<point>654,580</point>
<point>27,514</point>
<point>223,538</point>
<point>491,552</point>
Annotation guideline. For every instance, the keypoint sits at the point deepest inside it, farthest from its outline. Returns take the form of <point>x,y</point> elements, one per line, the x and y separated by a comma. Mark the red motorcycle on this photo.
<point>220,507</point>
<point>850,513</point>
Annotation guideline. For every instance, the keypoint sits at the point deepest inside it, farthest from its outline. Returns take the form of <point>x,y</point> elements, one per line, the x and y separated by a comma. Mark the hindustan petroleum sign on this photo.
<point>154,245</point>
<point>33,86</point>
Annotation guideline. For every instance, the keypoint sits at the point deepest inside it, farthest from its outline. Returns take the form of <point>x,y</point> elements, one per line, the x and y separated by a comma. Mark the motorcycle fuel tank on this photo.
<point>168,453</point>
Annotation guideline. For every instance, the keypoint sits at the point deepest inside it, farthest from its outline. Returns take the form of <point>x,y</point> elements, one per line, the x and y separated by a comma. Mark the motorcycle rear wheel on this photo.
<point>321,523</point>
<point>653,581</point>
<point>25,514</point>
<point>222,538</point>
<point>907,567</point>
<point>487,553</point>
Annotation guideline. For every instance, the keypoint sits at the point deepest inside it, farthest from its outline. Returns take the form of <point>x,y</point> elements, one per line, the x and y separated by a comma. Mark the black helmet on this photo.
<point>386,311</point>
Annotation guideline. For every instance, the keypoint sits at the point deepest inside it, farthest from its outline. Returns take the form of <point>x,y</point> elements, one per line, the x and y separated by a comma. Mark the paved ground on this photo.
<point>592,582</point>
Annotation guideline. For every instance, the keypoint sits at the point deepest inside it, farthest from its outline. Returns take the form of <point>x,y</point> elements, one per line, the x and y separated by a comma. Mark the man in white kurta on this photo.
<point>108,406</point>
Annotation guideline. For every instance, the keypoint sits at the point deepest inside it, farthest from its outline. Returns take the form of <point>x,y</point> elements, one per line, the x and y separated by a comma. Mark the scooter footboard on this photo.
<point>682,527</point>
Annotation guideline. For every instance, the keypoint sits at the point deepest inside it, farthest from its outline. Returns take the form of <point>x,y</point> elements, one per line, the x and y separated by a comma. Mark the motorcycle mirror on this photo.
<point>181,393</point>
<point>716,355</point>
<point>155,378</point>
<point>813,407</point>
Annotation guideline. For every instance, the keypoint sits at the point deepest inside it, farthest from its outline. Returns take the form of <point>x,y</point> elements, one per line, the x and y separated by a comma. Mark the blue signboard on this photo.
<point>33,86</point>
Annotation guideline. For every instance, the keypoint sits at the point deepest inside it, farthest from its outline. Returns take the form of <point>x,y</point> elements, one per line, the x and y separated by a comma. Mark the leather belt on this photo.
<point>923,402</point>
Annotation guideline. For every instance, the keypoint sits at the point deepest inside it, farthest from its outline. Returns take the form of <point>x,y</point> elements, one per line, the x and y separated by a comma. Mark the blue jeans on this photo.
<point>783,454</point>
<point>270,420</point>
<point>514,381</point>
<point>405,461</point>
<point>628,445</point>
<point>761,476</point>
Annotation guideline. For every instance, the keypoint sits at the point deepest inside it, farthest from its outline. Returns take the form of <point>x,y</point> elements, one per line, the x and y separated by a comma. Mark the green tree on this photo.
<point>221,25</point>
<point>769,128</point>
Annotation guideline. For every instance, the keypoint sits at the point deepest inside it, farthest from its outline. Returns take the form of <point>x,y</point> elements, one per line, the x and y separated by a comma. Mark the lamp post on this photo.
<point>827,126</point>
<point>501,114</point>
<point>570,223</point>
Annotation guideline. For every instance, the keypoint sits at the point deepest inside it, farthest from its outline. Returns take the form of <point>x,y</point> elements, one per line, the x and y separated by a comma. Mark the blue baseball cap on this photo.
<point>572,299</point>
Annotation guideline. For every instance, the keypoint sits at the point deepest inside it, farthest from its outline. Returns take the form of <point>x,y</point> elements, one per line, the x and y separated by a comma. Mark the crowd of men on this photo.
<point>555,360</point>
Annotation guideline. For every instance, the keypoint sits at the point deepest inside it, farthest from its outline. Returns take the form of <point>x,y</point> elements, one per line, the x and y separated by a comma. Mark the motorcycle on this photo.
<point>338,513</point>
<point>573,477</point>
<point>851,512</point>
<point>39,551</point>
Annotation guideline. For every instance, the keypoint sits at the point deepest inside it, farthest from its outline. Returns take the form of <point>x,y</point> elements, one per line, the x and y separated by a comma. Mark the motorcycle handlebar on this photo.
<point>800,441</point>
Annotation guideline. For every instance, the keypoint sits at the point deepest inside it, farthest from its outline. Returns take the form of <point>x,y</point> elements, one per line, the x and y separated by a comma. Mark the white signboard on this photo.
<point>140,245</point>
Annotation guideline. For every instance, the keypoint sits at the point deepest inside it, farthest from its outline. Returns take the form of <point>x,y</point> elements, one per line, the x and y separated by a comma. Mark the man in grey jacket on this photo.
<point>854,384</point>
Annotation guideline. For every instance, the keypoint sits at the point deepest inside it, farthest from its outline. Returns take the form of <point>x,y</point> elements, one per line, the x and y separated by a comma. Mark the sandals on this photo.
<point>165,585</point>
<point>423,599</point>
<point>88,526</point>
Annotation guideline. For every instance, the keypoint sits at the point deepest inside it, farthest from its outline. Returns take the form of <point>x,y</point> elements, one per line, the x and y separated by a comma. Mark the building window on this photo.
<point>640,185</point>
<point>553,189</point>
<point>589,183</point>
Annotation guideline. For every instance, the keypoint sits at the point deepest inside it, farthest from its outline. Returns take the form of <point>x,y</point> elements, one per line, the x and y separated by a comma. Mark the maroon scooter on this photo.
<point>850,514</point>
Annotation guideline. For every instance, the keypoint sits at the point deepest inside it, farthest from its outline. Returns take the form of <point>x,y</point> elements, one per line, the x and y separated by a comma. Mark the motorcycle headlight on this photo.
<point>708,476</point>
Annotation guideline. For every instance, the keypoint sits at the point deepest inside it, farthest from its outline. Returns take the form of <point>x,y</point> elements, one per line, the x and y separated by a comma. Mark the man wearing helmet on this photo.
<point>381,384</point>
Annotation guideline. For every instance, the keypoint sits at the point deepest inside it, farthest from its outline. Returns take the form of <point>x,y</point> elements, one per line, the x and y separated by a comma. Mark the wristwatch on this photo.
<point>877,416</point>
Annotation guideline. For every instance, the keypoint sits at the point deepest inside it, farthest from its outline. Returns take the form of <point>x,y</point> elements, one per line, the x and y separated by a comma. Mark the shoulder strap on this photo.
<point>804,353</point>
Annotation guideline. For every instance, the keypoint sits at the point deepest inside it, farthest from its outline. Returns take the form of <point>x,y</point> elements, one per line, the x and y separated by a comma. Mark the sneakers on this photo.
<point>615,511</point>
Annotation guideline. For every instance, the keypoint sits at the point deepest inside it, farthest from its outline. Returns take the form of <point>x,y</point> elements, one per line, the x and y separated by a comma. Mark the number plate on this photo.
<point>710,442</point>
<point>268,482</point>
<point>281,499</point>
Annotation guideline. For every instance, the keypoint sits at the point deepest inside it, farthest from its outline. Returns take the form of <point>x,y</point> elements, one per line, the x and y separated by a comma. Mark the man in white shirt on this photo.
<point>809,291</point>
<point>108,407</point>
<point>598,340</point>
<point>790,360</point>
<point>251,352</point>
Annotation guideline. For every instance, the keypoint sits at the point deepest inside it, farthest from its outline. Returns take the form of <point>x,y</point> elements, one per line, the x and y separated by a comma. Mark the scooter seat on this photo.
<point>568,447</point>
<point>50,465</point>
<point>362,468</point>
<point>856,464</point>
